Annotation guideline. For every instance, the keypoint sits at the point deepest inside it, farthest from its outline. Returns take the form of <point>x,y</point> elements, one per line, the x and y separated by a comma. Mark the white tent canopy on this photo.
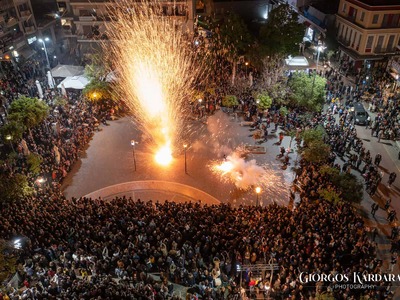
<point>75,82</point>
<point>297,62</point>
<point>67,71</point>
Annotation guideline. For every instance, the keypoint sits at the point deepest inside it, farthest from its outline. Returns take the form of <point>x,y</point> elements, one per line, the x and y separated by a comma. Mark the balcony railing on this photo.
<point>87,18</point>
<point>26,13</point>
<point>343,41</point>
<point>91,37</point>
<point>11,22</point>
<point>30,29</point>
<point>379,50</point>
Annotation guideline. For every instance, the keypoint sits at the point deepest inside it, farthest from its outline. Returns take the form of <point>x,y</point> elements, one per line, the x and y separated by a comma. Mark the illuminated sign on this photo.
<point>32,39</point>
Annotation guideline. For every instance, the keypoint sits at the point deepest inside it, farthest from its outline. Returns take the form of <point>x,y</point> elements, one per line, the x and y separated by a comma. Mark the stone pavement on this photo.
<point>108,161</point>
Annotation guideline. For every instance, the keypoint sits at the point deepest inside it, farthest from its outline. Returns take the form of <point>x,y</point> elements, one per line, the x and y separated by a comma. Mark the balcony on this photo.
<point>11,22</point>
<point>379,50</point>
<point>6,4</point>
<point>30,29</point>
<point>343,41</point>
<point>67,30</point>
<point>87,18</point>
<point>25,14</point>
<point>90,37</point>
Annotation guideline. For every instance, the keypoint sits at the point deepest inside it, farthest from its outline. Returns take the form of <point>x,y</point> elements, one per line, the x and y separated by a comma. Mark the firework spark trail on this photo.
<point>247,174</point>
<point>157,67</point>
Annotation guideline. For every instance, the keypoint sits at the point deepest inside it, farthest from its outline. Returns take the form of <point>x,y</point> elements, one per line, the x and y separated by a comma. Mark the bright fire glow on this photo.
<point>164,156</point>
<point>225,167</point>
<point>157,68</point>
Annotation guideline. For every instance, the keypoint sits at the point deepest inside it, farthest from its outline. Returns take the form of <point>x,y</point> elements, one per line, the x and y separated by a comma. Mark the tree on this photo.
<point>282,33</point>
<point>12,131</point>
<point>283,111</point>
<point>329,194</point>
<point>264,101</point>
<point>14,187</point>
<point>229,101</point>
<point>97,67</point>
<point>8,261</point>
<point>29,112</point>
<point>311,135</point>
<point>230,39</point>
<point>349,188</point>
<point>316,152</point>
<point>279,93</point>
<point>271,71</point>
<point>97,90</point>
<point>34,161</point>
<point>308,91</point>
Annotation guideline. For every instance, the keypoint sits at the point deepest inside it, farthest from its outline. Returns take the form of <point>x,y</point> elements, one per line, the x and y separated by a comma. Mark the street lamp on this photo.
<point>319,49</point>
<point>258,191</point>
<point>9,139</point>
<point>185,147</point>
<point>45,49</point>
<point>133,143</point>
<point>47,59</point>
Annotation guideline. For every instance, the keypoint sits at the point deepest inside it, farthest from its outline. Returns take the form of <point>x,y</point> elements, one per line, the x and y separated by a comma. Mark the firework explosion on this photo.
<point>246,175</point>
<point>157,71</point>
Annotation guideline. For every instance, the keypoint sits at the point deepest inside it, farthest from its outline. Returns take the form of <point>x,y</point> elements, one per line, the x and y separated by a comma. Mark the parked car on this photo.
<point>360,115</point>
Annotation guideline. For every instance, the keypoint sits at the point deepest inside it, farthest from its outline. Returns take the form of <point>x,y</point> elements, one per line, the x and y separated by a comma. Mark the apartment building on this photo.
<point>368,32</point>
<point>84,21</point>
<point>17,29</point>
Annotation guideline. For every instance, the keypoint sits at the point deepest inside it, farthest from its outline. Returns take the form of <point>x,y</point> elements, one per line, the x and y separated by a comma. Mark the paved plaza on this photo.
<point>108,161</point>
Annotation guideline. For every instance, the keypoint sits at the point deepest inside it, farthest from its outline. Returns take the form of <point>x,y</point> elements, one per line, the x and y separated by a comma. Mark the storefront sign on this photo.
<point>32,39</point>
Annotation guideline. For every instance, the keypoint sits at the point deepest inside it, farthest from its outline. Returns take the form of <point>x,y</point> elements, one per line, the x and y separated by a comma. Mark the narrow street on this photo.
<point>390,163</point>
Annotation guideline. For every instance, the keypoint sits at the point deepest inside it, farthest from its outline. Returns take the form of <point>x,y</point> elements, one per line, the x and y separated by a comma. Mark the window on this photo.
<point>375,19</point>
<point>362,16</point>
<point>344,7</point>
<point>370,41</point>
<point>390,43</point>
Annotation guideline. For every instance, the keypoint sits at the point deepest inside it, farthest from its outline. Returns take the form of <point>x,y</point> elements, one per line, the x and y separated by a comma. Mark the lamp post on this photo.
<point>9,138</point>
<point>246,64</point>
<point>45,49</point>
<point>258,191</point>
<point>185,147</point>
<point>319,49</point>
<point>47,59</point>
<point>133,143</point>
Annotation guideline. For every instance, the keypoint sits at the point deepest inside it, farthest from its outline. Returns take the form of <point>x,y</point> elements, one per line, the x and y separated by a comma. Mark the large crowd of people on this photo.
<point>95,249</point>
<point>132,249</point>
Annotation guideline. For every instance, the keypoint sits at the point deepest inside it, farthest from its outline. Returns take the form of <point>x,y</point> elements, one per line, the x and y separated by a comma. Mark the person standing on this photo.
<point>280,137</point>
<point>393,261</point>
<point>392,178</point>
<point>374,208</point>
<point>378,159</point>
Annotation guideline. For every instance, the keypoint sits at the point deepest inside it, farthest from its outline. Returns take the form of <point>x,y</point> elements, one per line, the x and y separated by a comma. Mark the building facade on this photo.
<point>17,28</point>
<point>368,32</point>
<point>84,21</point>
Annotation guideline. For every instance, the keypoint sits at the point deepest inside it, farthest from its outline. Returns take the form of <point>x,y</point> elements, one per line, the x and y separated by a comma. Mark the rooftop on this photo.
<point>380,2</point>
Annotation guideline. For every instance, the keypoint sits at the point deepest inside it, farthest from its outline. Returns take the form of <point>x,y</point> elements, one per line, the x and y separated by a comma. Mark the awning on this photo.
<point>75,82</point>
<point>67,71</point>
<point>297,63</point>
<point>26,52</point>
